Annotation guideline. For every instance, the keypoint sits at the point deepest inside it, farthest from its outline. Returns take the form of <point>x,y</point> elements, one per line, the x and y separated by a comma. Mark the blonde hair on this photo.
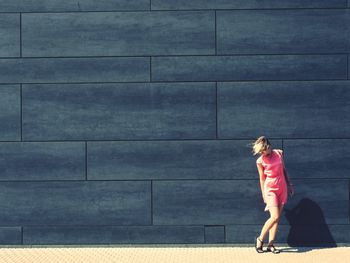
<point>260,145</point>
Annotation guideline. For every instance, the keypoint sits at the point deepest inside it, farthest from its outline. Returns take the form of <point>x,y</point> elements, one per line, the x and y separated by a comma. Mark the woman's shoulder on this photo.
<point>259,160</point>
<point>279,152</point>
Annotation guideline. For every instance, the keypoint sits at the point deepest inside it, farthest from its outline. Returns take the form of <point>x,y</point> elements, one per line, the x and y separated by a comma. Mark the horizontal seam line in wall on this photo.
<point>49,83</point>
<point>253,9</point>
<point>171,140</point>
<point>256,54</point>
<point>173,10</point>
<point>81,180</point>
<point>204,225</point>
<point>159,82</point>
<point>176,81</point>
<point>244,80</point>
<point>182,55</point>
<point>92,82</point>
<point>296,138</point>
<point>125,140</point>
<point>27,226</point>
<point>233,225</point>
<point>211,180</point>
<point>175,140</point>
<point>53,57</point>
<point>242,179</point>
<point>164,180</point>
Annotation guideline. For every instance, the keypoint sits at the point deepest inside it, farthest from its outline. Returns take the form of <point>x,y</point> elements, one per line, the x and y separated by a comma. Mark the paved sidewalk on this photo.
<point>170,254</point>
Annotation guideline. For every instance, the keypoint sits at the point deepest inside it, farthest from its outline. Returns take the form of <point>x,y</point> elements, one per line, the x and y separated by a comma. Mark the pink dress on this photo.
<point>275,186</point>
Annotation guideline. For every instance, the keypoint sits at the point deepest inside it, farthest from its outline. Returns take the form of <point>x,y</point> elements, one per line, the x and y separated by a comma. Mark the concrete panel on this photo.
<point>210,202</point>
<point>284,109</point>
<point>9,35</point>
<point>243,233</point>
<point>10,235</point>
<point>42,161</point>
<point>63,70</point>
<point>75,203</point>
<point>244,4</point>
<point>215,202</point>
<point>172,160</point>
<point>283,31</point>
<point>119,111</point>
<point>68,5</point>
<point>10,113</point>
<point>324,158</point>
<point>214,234</point>
<point>113,235</point>
<point>226,68</point>
<point>118,34</point>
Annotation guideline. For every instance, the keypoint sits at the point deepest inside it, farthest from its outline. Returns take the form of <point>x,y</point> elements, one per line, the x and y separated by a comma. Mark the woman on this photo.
<point>275,186</point>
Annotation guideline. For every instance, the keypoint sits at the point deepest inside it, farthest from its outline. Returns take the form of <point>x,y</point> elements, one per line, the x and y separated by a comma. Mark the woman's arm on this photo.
<point>262,179</point>
<point>289,182</point>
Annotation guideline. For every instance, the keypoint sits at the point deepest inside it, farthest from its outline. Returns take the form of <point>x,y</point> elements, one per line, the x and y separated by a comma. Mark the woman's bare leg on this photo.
<point>273,229</point>
<point>274,217</point>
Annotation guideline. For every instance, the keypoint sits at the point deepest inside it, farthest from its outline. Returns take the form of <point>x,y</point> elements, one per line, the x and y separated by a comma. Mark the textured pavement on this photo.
<point>165,254</point>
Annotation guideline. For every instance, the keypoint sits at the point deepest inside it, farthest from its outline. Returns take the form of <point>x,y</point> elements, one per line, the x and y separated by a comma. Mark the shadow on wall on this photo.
<point>308,226</point>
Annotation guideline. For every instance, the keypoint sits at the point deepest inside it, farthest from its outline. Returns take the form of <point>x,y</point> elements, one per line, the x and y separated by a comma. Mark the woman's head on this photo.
<point>261,146</point>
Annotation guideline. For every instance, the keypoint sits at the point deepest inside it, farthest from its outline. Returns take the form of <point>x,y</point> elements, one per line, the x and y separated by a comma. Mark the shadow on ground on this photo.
<point>308,228</point>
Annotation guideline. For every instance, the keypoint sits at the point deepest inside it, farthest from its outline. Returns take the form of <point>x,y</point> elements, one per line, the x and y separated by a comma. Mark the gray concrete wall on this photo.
<point>129,121</point>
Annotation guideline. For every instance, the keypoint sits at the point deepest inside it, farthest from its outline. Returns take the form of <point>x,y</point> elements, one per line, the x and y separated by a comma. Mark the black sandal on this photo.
<point>271,248</point>
<point>259,249</point>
